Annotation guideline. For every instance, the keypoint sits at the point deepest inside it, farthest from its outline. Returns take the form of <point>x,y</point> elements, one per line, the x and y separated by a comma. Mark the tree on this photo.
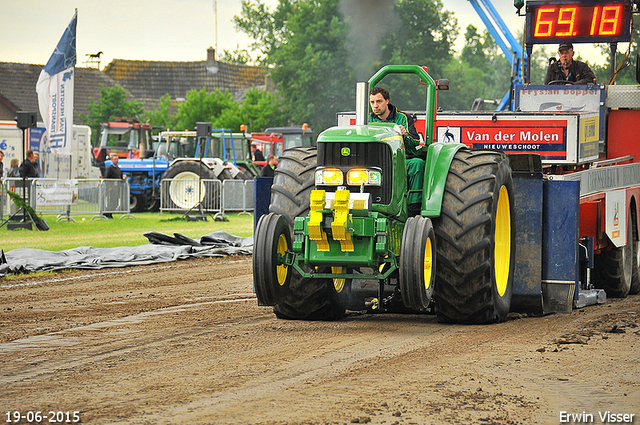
<point>625,71</point>
<point>304,44</point>
<point>479,72</point>
<point>201,106</point>
<point>238,57</point>
<point>259,109</point>
<point>318,49</point>
<point>422,34</point>
<point>112,103</point>
<point>540,62</point>
<point>161,116</point>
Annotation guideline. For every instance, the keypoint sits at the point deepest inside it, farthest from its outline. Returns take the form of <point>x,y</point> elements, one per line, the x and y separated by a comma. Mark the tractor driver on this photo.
<point>383,111</point>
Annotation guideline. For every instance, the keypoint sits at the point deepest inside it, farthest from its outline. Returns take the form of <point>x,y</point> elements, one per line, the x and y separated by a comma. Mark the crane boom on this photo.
<point>507,43</point>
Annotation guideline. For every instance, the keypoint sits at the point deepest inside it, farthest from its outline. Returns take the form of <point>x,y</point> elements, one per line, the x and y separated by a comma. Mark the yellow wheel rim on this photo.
<point>281,269</point>
<point>502,253</point>
<point>338,283</point>
<point>428,263</point>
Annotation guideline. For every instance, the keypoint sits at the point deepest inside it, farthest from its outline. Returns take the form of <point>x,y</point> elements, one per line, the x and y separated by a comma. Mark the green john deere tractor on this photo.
<point>339,214</point>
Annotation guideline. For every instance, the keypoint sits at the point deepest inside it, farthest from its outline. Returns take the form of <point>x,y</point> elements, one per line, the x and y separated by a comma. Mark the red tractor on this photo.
<point>126,137</point>
<point>275,140</point>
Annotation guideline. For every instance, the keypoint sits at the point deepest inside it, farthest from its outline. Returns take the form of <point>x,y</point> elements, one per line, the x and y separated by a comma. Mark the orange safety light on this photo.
<point>305,126</point>
<point>242,127</point>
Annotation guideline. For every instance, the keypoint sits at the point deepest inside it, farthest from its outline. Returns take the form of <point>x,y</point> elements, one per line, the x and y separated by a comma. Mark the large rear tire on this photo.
<point>183,190</point>
<point>417,263</point>
<point>475,240</point>
<point>303,298</point>
<point>613,270</point>
<point>272,238</point>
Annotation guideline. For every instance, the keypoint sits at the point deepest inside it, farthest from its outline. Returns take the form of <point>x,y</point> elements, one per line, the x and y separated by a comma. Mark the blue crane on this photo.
<point>507,43</point>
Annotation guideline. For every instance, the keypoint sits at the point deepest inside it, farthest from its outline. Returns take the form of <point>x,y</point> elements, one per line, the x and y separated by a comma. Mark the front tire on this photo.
<point>272,239</point>
<point>303,298</point>
<point>475,240</point>
<point>417,263</point>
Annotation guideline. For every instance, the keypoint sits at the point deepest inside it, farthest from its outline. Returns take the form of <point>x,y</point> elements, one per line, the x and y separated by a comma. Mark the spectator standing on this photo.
<point>269,170</point>
<point>113,191</point>
<point>14,170</point>
<point>27,168</point>
<point>36,163</point>
<point>1,164</point>
<point>113,171</point>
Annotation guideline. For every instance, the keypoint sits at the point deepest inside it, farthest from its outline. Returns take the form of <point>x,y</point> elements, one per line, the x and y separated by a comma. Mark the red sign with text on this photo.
<point>547,138</point>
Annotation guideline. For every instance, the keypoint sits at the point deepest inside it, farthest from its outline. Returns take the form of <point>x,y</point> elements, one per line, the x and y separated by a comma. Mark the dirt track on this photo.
<point>186,342</point>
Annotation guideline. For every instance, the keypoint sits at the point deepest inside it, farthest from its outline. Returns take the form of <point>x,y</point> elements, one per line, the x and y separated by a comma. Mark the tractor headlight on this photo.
<point>329,177</point>
<point>364,176</point>
<point>354,177</point>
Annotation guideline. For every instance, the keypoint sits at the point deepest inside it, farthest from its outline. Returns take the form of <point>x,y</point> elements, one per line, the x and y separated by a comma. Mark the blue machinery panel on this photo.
<point>547,266</point>
<point>527,290</point>
<point>261,197</point>
<point>560,260</point>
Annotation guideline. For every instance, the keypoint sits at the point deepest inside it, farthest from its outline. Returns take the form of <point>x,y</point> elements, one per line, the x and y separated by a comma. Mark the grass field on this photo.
<point>118,231</point>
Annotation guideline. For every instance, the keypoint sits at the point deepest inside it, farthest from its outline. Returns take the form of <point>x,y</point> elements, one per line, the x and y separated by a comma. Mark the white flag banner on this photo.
<point>55,92</point>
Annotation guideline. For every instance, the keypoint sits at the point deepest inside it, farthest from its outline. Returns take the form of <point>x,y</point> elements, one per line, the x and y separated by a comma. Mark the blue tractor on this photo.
<point>182,156</point>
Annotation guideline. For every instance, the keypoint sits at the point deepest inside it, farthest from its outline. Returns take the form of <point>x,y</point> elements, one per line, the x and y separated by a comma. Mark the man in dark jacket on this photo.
<point>113,171</point>
<point>566,69</point>
<point>269,170</point>
<point>113,191</point>
<point>27,168</point>
<point>383,111</point>
<point>256,154</point>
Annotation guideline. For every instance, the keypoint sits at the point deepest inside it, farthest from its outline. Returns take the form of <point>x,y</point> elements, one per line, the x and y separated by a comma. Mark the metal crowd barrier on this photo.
<point>114,197</point>
<point>210,195</point>
<point>98,197</point>
<point>14,184</point>
<point>237,195</point>
<point>95,197</point>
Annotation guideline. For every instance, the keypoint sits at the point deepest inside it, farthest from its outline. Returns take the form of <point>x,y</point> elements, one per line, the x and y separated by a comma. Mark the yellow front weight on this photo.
<point>340,219</point>
<point>315,221</point>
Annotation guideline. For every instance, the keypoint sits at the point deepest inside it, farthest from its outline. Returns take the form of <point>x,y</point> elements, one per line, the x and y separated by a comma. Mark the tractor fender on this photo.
<point>232,168</point>
<point>438,162</point>
<point>214,164</point>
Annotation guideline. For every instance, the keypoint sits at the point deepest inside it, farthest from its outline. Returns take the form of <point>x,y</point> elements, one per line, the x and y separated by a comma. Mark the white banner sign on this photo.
<point>56,192</point>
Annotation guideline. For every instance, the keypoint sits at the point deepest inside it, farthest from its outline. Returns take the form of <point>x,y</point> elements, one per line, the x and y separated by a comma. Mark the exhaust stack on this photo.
<point>362,103</point>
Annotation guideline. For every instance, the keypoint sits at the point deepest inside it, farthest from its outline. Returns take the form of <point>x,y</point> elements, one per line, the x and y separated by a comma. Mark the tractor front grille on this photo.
<point>372,154</point>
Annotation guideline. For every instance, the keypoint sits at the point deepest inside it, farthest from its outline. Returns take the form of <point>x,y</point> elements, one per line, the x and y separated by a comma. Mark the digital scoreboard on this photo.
<point>578,21</point>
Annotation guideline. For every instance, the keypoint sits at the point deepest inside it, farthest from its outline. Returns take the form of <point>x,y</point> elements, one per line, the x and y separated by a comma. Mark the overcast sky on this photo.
<point>168,30</point>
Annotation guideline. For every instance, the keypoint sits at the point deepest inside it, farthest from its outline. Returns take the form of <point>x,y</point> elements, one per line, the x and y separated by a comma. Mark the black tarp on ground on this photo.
<point>163,248</point>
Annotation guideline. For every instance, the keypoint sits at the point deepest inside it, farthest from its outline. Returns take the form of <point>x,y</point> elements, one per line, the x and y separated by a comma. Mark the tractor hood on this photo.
<point>375,132</point>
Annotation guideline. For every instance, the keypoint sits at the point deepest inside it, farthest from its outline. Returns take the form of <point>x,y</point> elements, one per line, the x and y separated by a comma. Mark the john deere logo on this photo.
<point>345,152</point>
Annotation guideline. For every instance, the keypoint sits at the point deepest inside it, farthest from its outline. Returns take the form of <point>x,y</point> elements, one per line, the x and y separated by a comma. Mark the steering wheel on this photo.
<point>559,82</point>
